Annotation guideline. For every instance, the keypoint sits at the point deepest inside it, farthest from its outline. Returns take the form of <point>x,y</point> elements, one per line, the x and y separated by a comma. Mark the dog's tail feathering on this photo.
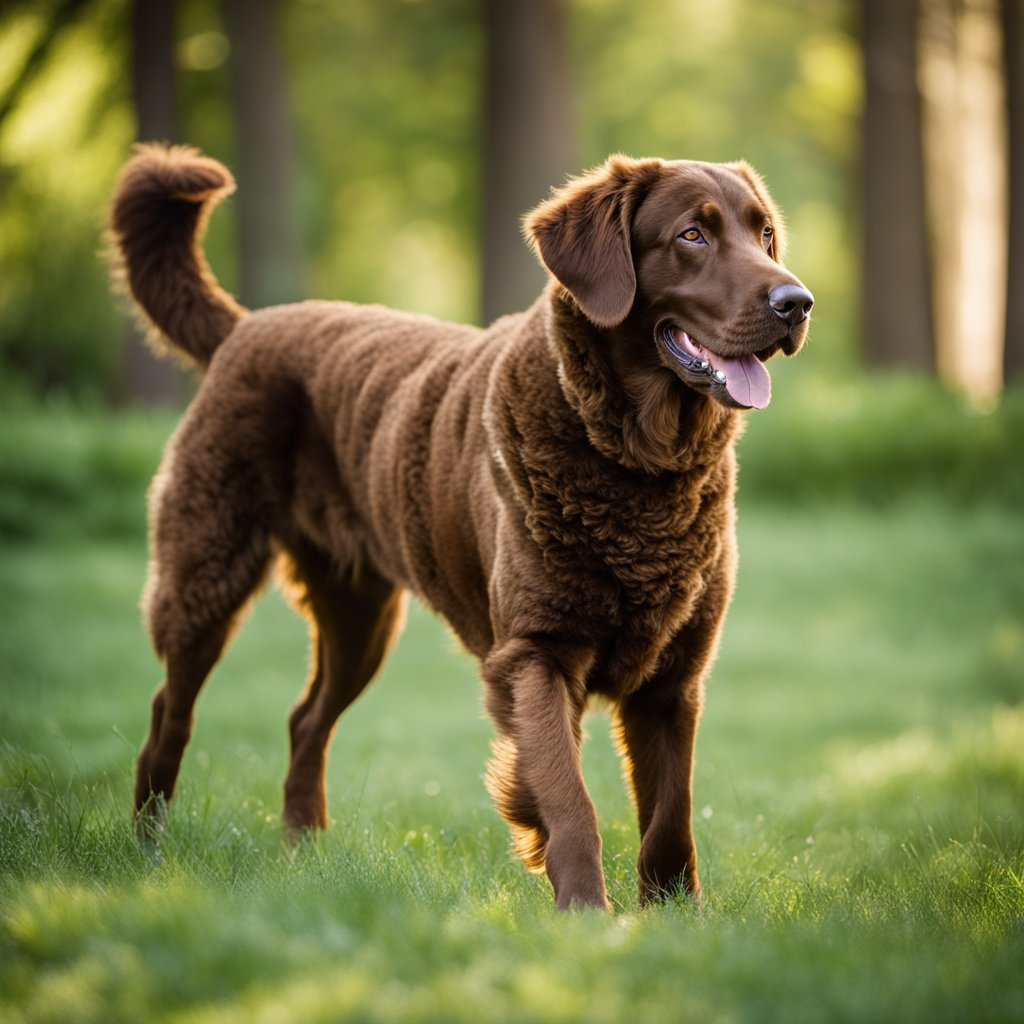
<point>161,206</point>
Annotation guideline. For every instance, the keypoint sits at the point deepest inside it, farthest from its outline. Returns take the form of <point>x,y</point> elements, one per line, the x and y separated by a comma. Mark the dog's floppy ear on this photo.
<point>756,182</point>
<point>582,235</point>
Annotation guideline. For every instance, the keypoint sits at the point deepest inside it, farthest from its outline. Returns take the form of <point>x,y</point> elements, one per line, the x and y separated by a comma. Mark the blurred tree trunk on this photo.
<point>270,249</point>
<point>941,116</point>
<point>529,140</point>
<point>895,294</point>
<point>1013,49</point>
<point>154,75</point>
<point>964,116</point>
<point>145,377</point>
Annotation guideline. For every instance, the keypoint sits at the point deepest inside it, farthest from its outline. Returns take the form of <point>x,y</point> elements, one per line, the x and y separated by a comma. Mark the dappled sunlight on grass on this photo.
<point>921,757</point>
<point>859,775</point>
<point>234,925</point>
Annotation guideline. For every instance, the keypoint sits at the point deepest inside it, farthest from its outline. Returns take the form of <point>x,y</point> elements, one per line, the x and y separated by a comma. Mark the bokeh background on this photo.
<point>386,151</point>
<point>860,766</point>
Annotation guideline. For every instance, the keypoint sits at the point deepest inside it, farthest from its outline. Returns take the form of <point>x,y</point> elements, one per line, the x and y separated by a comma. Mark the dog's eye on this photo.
<point>693,236</point>
<point>767,235</point>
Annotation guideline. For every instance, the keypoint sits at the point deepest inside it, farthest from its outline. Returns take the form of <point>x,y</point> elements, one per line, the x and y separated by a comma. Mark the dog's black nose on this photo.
<point>791,302</point>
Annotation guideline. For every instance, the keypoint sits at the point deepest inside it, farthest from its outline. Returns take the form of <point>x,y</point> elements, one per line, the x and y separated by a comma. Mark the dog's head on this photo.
<point>689,253</point>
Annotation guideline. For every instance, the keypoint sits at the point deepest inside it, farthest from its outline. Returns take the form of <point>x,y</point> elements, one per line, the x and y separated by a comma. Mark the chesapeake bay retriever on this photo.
<point>559,486</point>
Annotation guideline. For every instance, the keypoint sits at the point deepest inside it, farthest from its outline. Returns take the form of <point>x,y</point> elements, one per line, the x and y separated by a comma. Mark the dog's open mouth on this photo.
<point>743,379</point>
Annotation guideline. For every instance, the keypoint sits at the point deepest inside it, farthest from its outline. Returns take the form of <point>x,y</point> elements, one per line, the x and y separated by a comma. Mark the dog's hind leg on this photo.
<point>210,552</point>
<point>355,616</point>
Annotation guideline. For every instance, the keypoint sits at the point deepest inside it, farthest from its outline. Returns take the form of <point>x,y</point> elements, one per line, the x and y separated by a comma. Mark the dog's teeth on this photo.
<point>719,376</point>
<point>702,364</point>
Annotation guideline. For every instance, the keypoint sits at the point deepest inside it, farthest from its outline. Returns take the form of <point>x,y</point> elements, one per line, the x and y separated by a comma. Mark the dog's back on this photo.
<point>369,427</point>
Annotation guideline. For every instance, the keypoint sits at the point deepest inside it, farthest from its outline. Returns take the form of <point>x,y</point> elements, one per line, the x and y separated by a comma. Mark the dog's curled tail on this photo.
<point>161,206</point>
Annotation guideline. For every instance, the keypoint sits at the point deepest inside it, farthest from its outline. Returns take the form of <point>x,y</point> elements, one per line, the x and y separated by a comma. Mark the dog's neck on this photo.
<point>635,411</point>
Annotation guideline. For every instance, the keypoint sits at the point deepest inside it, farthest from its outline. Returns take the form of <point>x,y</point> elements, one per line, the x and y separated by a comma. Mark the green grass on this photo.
<point>860,781</point>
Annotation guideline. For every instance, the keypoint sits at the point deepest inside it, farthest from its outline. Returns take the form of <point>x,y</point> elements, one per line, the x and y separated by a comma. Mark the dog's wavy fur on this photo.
<point>548,484</point>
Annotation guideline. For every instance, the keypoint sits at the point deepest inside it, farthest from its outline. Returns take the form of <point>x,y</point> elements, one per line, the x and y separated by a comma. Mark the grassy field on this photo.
<point>860,782</point>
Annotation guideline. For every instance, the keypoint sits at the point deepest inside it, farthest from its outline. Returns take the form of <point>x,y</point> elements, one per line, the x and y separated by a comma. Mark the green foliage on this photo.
<point>386,100</point>
<point>59,154</point>
<point>874,439</point>
<point>386,106</point>
<point>66,471</point>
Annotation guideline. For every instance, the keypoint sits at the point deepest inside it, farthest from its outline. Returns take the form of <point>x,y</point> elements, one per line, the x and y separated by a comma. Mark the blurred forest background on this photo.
<point>385,152</point>
<point>861,760</point>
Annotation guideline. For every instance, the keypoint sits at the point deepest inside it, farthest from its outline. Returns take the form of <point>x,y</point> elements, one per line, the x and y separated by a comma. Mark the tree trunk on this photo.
<point>895,294</point>
<point>1013,44</point>
<point>939,61</point>
<point>153,71</point>
<point>146,378</point>
<point>965,132</point>
<point>529,143</point>
<point>270,250</point>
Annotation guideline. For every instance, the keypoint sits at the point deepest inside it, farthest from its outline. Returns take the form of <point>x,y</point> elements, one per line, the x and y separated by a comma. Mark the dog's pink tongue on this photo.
<point>746,379</point>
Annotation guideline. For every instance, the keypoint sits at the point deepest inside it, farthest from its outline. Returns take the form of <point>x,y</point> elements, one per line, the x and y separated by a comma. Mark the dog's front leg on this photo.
<point>537,697</point>
<point>656,731</point>
<point>657,727</point>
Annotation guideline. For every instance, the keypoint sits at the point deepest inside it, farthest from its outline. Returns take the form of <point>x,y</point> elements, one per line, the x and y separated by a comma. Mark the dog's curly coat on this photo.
<point>559,486</point>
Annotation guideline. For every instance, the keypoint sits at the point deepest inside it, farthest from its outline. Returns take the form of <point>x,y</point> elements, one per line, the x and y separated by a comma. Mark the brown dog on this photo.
<point>558,486</point>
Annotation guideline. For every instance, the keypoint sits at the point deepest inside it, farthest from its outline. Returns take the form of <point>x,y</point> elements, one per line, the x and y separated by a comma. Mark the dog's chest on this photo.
<point>630,556</point>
